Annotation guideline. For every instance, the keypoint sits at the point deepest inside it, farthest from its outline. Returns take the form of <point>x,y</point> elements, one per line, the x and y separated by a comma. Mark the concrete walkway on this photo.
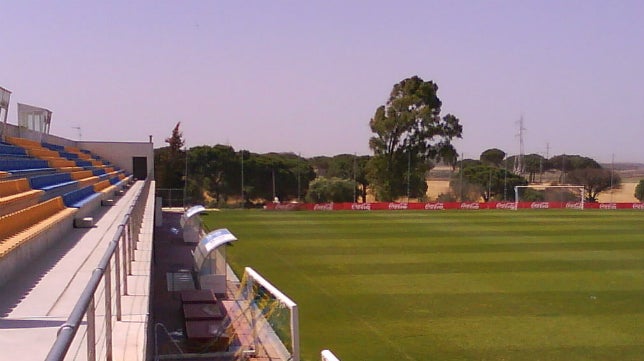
<point>34,305</point>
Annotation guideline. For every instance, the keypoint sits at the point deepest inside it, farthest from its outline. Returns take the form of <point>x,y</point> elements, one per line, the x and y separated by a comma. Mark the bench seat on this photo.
<point>21,226</point>
<point>61,163</point>
<point>106,189</point>
<point>16,194</point>
<point>80,197</point>
<point>12,150</point>
<point>43,153</point>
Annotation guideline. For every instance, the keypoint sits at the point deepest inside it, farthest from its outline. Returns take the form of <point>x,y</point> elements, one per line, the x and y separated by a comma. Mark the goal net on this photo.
<point>549,196</point>
<point>272,316</point>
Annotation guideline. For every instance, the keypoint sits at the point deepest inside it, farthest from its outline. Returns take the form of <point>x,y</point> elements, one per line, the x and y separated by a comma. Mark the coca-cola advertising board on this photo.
<point>439,206</point>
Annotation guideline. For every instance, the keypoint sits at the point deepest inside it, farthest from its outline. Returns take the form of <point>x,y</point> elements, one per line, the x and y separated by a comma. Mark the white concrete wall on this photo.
<point>121,153</point>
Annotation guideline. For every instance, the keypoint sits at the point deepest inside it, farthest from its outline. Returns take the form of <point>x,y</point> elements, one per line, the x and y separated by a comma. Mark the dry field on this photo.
<point>624,194</point>
<point>439,183</point>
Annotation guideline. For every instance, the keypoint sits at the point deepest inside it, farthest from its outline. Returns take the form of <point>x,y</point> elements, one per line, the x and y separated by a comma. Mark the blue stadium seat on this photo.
<point>55,147</point>
<point>80,197</point>
<point>83,163</point>
<point>11,165</point>
<point>12,150</point>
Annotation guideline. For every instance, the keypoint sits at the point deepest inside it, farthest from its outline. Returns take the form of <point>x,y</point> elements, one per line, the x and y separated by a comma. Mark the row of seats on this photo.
<point>18,158</point>
<point>21,226</point>
<point>19,193</point>
<point>12,165</point>
<point>50,151</point>
<point>22,164</point>
<point>43,195</point>
<point>35,180</point>
<point>16,194</point>
<point>12,151</point>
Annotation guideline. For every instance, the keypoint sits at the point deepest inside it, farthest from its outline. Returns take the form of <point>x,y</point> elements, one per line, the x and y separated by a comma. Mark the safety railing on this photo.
<point>118,258</point>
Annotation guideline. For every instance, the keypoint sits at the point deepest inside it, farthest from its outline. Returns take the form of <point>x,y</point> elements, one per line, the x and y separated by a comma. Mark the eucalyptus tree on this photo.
<point>409,135</point>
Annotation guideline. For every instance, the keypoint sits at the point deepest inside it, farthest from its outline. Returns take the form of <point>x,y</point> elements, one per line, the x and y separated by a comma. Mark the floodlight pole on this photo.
<point>489,185</point>
<point>273,173</point>
<point>185,179</point>
<point>355,186</point>
<point>461,171</point>
<point>408,172</point>
<point>505,180</point>
<point>612,170</point>
<point>299,156</point>
<point>242,179</point>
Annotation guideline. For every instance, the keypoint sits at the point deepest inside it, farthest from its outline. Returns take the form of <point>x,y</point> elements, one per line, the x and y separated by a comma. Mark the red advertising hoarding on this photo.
<point>430,206</point>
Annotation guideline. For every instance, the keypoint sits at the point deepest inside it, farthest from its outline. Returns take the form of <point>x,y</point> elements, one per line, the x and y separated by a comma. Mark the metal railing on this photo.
<point>121,251</point>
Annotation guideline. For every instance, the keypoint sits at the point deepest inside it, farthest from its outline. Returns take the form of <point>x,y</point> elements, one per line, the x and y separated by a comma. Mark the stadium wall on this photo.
<point>379,206</point>
<point>119,153</point>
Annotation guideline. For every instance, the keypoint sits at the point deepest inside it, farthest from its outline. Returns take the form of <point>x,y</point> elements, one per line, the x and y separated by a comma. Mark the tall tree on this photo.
<point>639,191</point>
<point>493,157</point>
<point>170,161</point>
<point>283,175</point>
<point>409,132</point>
<point>492,182</point>
<point>334,189</point>
<point>566,163</point>
<point>350,167</point>
<point>175,141</point>
<point>534,164</point>
<point>213,170</point>
<point>594,181</point>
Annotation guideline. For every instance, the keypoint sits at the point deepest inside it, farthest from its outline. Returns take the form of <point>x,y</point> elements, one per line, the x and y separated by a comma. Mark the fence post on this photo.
<point>107,276</point>
<point>132,242</point>
<point>117,279</point>
<point>91,330</point>
<point>124,261</point>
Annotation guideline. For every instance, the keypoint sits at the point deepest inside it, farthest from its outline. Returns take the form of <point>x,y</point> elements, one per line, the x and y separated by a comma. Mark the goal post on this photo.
<point>578,204</point>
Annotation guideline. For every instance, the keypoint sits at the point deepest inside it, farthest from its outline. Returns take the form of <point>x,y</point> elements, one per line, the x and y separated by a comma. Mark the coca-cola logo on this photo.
<point>638,205</point>
<point>285,206</point>
<point>505,205</point>
<point>574,205</point>
<point>470,206</point>
<point>398,206</point>
<point>323,207</point>
<point>361,206</point>
<point>608,206</point>
<point>434,206</point>
<point>539,205</point>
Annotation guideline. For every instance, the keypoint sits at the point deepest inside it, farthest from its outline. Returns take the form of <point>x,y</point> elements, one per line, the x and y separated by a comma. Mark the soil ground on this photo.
<point>439,183</point>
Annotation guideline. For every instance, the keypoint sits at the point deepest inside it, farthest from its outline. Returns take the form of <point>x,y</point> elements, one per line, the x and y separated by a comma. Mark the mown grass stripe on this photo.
<point>487,285</point>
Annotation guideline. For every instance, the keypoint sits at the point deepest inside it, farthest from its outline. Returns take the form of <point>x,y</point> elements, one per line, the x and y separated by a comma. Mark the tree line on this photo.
<point>410,136</point>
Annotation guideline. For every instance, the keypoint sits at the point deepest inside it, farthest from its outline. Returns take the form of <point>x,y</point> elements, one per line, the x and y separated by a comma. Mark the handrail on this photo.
<point>125,238</point>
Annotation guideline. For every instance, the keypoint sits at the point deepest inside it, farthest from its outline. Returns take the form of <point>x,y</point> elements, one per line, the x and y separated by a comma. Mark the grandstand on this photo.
<point>60,204</point>
<point>80,275</point>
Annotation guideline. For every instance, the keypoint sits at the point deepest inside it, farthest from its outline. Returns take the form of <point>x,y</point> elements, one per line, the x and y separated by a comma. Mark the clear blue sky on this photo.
<point>307,76</point>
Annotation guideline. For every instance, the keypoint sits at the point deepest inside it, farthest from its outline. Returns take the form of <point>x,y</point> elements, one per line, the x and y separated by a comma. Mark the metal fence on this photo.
<point>172,197</point>
<point>117,258</point>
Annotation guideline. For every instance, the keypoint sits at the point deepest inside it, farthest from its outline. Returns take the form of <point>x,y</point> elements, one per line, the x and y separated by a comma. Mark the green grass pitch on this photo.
<point>453,285</point>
